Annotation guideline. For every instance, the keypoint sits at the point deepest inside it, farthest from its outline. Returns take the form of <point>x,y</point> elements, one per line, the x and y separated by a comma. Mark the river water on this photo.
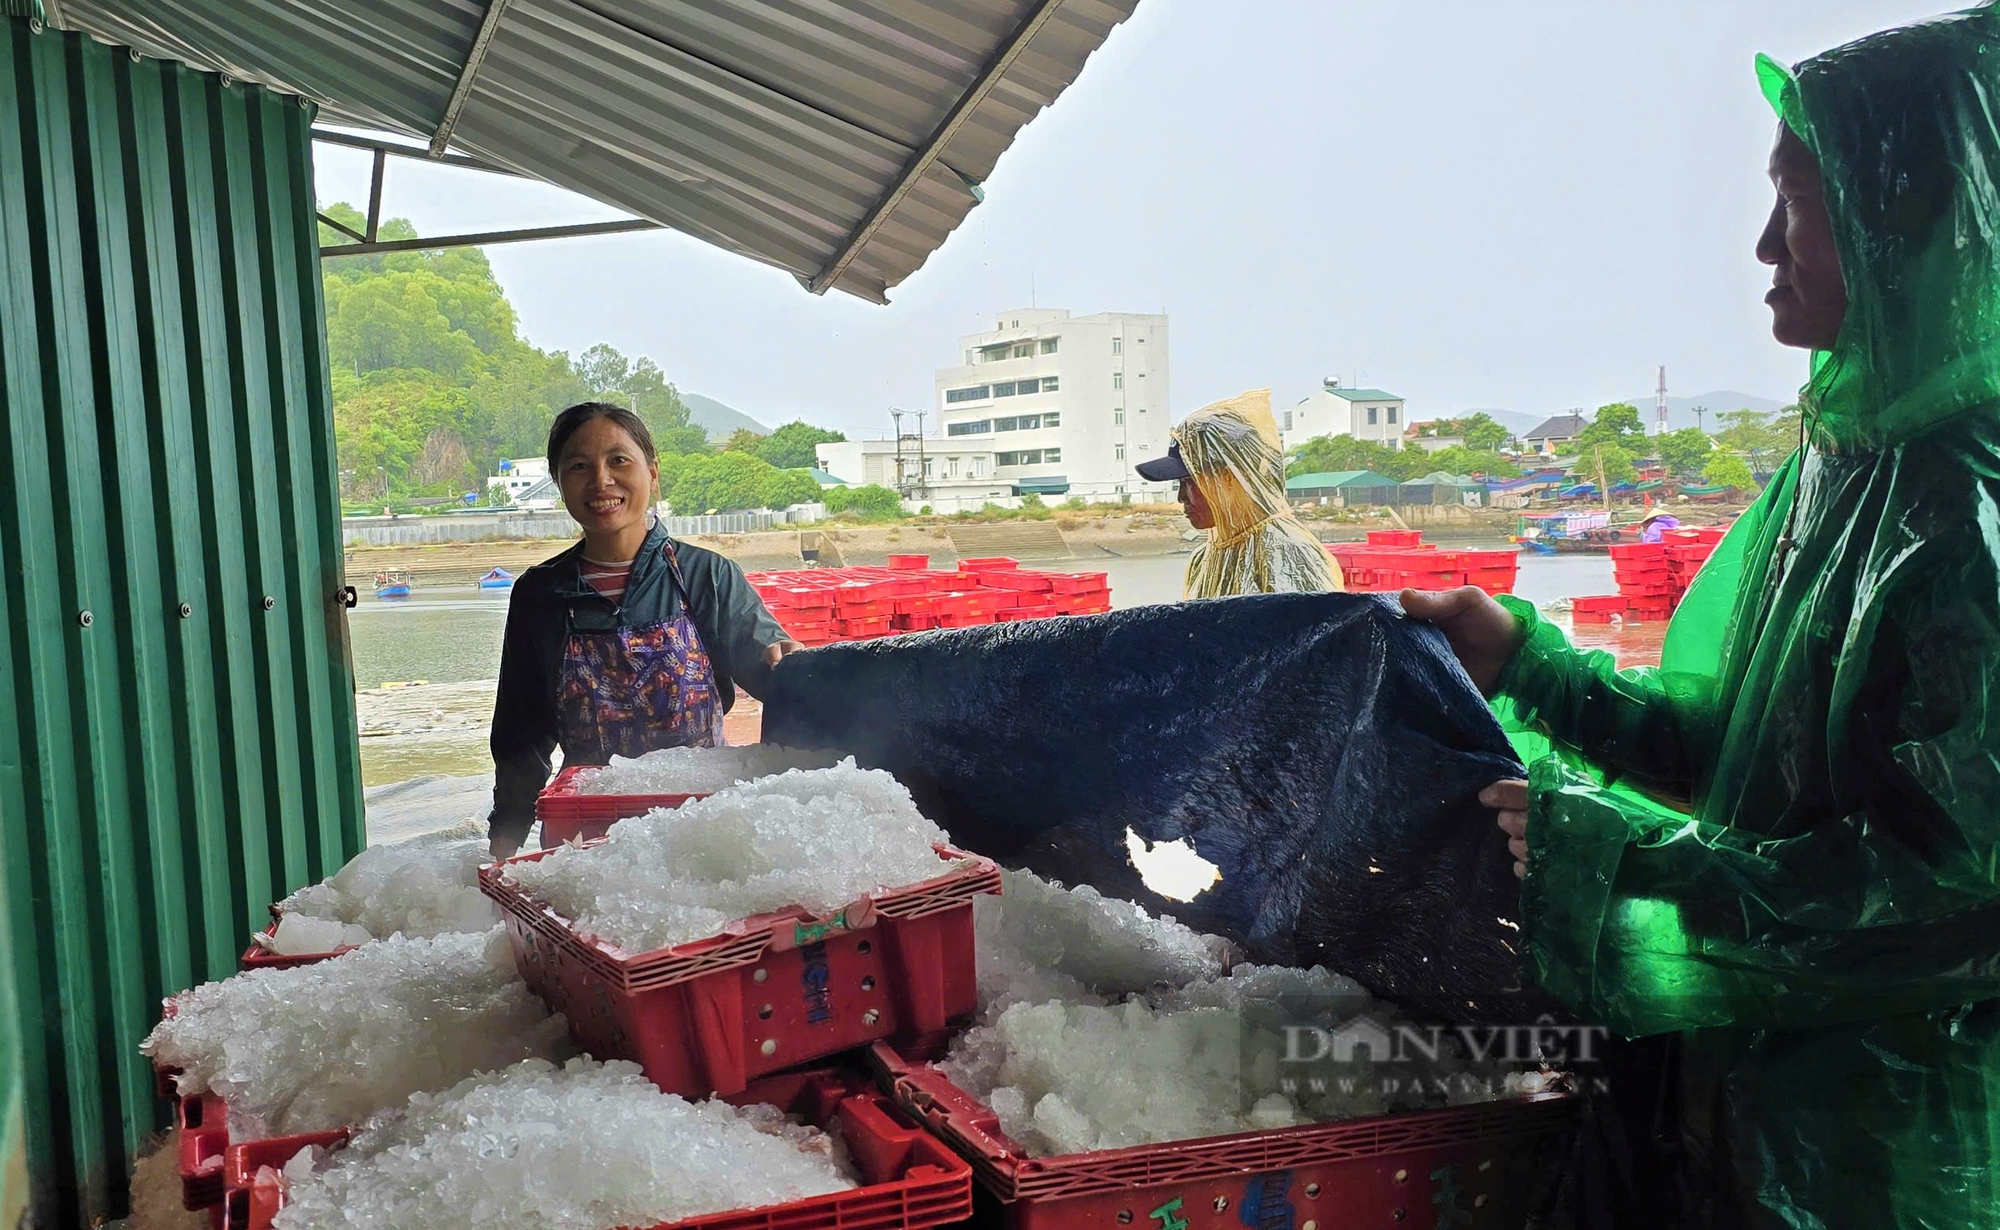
<point>425,664</point>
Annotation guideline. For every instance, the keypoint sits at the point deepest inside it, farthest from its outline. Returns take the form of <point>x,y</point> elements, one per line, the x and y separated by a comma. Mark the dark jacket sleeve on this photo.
<point>524,732</point>
<point>734,623</point>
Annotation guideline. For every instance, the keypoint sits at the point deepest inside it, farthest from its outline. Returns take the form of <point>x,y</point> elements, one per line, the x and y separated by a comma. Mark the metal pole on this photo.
<point>375,194</point>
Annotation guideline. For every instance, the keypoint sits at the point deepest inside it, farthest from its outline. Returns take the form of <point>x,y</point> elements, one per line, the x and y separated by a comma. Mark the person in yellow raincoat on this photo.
<point>1783,844</point>
<point>1231,468</point>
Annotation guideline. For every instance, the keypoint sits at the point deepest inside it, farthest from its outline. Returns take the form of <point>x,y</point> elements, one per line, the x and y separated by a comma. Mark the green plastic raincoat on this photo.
<point>1257,545</point>
<point>1821,912</point>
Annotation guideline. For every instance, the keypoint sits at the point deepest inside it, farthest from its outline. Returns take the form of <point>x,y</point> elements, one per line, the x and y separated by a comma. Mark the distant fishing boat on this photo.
<point>499,578</point>
<point>392,585</point>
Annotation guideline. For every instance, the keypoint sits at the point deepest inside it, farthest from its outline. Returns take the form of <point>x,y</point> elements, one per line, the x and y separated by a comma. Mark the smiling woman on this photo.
<point>628,641</point>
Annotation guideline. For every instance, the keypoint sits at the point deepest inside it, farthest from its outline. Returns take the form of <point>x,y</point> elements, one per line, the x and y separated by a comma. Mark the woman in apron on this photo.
<point>626,642</point>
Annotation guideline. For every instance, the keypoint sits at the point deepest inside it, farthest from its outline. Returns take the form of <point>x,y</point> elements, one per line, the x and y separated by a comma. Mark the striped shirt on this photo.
<point>607,579</point>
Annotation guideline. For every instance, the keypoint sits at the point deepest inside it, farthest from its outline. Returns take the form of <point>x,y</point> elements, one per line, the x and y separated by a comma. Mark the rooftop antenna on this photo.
<point>1660,404</point>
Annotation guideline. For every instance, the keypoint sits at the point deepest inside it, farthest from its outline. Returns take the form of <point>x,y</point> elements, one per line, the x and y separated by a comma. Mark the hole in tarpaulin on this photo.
<point>1171,868</point>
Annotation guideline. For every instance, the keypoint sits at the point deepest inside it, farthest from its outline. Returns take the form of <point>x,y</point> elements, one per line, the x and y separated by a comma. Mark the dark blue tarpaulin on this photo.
<point>1324,752</point>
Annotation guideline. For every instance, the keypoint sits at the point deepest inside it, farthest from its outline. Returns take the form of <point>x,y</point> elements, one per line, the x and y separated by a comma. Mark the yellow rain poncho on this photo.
<point>1257,545</point>
<point>1820,917</point>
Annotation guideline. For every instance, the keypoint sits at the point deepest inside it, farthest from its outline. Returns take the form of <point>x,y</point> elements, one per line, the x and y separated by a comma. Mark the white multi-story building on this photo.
<point>954,474</point>
<point>1365,414</point>
<point>1065,405</point>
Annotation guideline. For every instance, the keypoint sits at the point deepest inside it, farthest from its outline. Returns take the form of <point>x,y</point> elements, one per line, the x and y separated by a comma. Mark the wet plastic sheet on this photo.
<point>1320,749</point>
<point>1257,545</point>
<point>1819,911</point>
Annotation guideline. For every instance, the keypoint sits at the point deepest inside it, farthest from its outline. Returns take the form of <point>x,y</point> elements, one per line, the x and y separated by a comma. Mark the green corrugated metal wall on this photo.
<point>177,739</point>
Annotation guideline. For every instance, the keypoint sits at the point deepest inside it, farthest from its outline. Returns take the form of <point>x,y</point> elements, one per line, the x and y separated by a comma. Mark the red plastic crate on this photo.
<point>568,814</point>
<point>910,1179</point>
<point>259,957</point>
<point>769,992</point>
<point>915,623</point>
<point>951,582</point>
<point>794,597</point>
<point>1395,538</point>
<point>203,1120</point>
<point>909,563</point>
<point>1079,582</point>
<point>1612,604</point>
<point>1592,617</point>
<point>989,563</point>
<point>1471,1166</point>
<point>848,612</point>
<point>978,619</point>
<point>1017,579</point>
<point>1637,551</point>
<point>865,629</point>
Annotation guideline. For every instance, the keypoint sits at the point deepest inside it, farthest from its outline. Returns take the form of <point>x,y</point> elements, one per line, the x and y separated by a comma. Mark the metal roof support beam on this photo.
<point>344,229</point>
<point>376,144</point>
<point>365,248</point>
<point>920,162</point>
<point>375,195</point>
<point>488,26</point>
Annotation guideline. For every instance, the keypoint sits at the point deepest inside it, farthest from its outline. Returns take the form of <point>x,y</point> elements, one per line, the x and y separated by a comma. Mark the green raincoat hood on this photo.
<point>1904,126</point>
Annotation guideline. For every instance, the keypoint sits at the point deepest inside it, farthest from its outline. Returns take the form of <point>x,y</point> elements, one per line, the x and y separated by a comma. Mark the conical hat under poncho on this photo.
<point>1257,545</point>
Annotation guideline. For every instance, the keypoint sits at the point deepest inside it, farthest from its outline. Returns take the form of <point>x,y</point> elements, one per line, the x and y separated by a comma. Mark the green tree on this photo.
<point>742,440</point>
<point>699,483</point>
<point>1335,454</point>
<point>790,446</point>
<point>1684,451</point>
<point>1729,470</point>
<point>1482,433</point>
<point>1744,431</point>
<point>1617,423</point>
<point>785,488</point>
<point>1462,459</point>
<point>869,503</point>
<point>1613,460</point>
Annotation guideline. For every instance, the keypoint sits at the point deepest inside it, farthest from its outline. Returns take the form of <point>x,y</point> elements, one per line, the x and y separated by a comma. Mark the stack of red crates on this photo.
<point>818,606</point>
<point>1652,577</point>
<point>1393,560</point>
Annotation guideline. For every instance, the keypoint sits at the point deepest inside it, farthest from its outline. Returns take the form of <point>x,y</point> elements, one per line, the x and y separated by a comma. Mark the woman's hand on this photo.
<point>775,652</point>
<point>1510,799</point>
<point>1483,635</point>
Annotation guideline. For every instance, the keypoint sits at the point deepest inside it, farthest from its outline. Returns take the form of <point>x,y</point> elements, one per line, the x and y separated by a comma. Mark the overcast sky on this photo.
<point>1525,206</point>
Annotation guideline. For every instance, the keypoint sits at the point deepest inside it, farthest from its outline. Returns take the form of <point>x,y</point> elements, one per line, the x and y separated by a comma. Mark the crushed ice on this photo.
<point>1103,1027</point>
<point>580,1147</point>
<point>817,838</point>
<point>697,770</point>
<point>326,1045</point>
<point>422,887</point>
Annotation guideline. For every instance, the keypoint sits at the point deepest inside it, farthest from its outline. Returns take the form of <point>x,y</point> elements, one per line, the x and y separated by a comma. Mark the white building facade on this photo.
<point>1331,410</point>
<point>1064,405</point>
<point>955,476</point>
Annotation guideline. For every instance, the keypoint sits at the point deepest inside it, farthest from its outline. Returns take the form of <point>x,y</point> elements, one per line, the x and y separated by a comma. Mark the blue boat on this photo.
<point>392,585</point>
<point>499,578</point>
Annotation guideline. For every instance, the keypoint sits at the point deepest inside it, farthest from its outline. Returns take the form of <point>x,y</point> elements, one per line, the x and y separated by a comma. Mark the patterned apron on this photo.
<point>628,691</point>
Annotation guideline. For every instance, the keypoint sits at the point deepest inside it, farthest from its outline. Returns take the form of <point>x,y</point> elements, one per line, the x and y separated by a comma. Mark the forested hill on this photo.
<point>433,384</point>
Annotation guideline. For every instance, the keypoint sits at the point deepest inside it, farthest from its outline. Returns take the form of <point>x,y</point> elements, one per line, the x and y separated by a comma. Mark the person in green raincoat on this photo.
<point>1784,843</point>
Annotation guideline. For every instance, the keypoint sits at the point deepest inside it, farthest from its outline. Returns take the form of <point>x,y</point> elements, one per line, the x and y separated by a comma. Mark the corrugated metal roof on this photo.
<point>1364,395</point>
<point>775,128</point>
<point>1338,478</point>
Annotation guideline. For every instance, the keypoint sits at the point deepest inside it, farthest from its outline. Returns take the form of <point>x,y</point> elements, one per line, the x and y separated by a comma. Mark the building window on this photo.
<point>951,467</point>
<point>1024,350</point>
<point>1392,414</point>
<point>1117,345</point>
<point>1118,451</point>
<point>1049,344</point>
<point>1052,420</point>
<point>1118,416</point>
<point>1004,389</point>
<point>1371,415</point>
<point>979,467</point>
<point>1117,380</point>
<point>1017,324</point>
<point>1019,422</point>
<point>977,427</point>
<point>1288,420</point>
<point>930,467</point>
<point>1051,455</point>
<point>977,392</point>
<point>1048,384</point>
